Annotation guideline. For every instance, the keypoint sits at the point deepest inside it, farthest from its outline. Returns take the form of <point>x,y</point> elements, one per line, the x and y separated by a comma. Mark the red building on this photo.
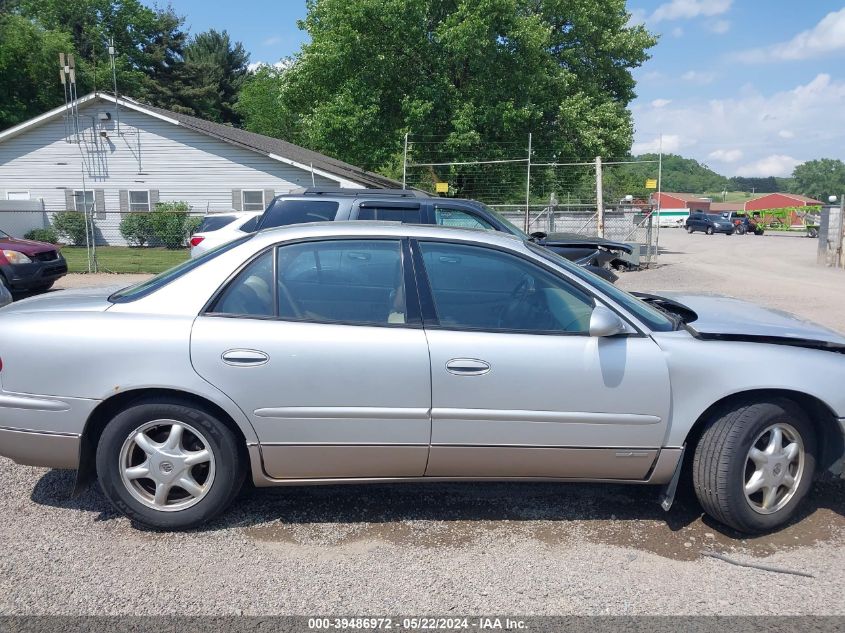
<point>780,201</point>
<point>689,201</point>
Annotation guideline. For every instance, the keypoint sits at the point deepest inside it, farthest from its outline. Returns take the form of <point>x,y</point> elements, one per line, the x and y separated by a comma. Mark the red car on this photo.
<point>29,266</point>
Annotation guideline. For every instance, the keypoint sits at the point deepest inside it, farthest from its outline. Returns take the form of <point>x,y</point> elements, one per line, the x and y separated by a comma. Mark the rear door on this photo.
<point>317,344</point>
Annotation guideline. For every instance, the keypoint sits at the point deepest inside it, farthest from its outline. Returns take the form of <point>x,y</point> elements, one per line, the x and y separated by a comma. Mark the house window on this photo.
<point>17,195</point>
<point>253,200</point>
<point>139,200</point>
<point>83,201</point>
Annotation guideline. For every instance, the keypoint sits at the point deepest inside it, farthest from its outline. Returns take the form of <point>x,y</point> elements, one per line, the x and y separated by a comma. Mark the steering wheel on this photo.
<point>520,305</point>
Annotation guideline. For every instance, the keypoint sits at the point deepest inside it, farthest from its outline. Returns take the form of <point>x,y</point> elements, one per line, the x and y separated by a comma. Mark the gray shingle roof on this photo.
<point>269,145</point>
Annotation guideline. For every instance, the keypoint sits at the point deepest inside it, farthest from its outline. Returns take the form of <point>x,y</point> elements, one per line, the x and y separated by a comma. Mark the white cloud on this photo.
<point>660,103</point>
<point>687,9</point>
<point>773,165</point>
<point>726,155</point>
<point>677,32</point>
<point>718,26</point>
<point>282,64</point>
<point>698,77</point>
<point>270,41</point>
<point>671,144</point>
<point>801,123</point>
<point>825,37</point>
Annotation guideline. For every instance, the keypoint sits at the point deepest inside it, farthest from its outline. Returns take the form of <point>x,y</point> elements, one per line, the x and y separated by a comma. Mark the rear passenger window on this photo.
<point>251,292</point>
<point>215,222</point>
<point>462,219</point>
<point>390,214</point>
<point>348,281</point>
<point>286,212</point>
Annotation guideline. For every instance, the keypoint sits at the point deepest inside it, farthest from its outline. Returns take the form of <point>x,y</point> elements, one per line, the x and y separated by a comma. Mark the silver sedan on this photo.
<point>374,352</point>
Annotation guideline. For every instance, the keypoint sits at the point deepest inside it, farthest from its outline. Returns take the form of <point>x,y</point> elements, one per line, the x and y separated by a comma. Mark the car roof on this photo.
<point>374,228</point>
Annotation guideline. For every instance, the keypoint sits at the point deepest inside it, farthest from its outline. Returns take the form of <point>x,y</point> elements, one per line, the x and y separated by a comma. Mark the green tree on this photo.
<point>149,43</point>
<point>474,74</point>
<point>820,178</point>
<point>29,66</point>
<point>213,73</point>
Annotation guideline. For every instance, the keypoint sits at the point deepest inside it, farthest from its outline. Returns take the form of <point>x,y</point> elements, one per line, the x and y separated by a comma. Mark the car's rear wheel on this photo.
<point>754,464</point>
<point>169,465</point>
<point>709,230</point>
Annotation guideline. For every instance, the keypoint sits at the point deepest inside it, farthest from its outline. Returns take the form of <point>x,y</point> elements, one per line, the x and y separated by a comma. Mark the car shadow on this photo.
<point>613,514</point>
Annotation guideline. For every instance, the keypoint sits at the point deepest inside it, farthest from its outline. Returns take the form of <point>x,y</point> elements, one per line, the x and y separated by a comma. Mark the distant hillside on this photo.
<point>687,175</point>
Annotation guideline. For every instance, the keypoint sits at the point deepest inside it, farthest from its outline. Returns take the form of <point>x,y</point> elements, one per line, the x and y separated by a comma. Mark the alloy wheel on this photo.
<point>773,468</point>
<point>167,465</point>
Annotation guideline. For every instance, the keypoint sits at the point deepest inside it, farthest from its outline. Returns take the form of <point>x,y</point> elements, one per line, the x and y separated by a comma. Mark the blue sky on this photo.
<point>750,87</point>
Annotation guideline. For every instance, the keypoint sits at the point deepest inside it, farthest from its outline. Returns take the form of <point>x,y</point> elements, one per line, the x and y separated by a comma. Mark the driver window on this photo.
<point>481,288</point>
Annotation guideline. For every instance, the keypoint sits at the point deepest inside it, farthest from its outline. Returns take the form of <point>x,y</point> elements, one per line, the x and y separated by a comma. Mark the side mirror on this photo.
<point>605,322</point>
<point>539,235</point>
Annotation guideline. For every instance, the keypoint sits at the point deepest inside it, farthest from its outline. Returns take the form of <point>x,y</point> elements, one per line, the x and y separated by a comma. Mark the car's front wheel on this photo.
<point>754,464</point>
<point>709,230</point>
<point>169,465</point>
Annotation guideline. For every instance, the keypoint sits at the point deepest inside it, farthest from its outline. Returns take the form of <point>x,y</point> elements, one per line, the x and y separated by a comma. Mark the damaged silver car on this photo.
<point>378,352</point>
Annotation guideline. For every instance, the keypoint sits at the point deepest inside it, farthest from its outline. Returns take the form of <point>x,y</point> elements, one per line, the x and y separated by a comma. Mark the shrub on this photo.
<point>48,235</point>
<point>169,222</point>
<point>137,228</point>
<point>70,226</point>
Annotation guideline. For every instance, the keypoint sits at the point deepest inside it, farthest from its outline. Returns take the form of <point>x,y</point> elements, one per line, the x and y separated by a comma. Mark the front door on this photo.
<point>317,345</point>
<point>520,389</point>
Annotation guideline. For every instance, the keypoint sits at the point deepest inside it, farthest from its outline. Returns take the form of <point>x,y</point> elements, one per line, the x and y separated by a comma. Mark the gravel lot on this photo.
<point>452,548</point>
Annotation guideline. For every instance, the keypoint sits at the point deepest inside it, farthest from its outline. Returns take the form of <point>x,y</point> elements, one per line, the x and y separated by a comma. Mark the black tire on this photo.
<point>709,230</point>
<point>758,231</point>
<point>689,229</point>
<point>229,466</point>
<point>44,287</point>
<point>721,459</point>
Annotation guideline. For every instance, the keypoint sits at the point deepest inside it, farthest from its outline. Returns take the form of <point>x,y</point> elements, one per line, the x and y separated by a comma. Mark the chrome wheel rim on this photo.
<point>773,468</point>
<point>167,465</point>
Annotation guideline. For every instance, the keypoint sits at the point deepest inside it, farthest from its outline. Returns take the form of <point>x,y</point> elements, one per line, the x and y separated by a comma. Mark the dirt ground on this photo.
<point>777,270</point>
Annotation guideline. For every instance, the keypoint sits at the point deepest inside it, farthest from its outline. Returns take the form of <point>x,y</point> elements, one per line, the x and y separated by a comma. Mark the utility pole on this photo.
<point>528,188</point>
<point>405,164</point>
<point>599,198</point>
<point>114,82</point>
<point>659,197</point>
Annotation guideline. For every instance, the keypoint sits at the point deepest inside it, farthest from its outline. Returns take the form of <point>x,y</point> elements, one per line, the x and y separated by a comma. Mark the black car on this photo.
<point>319,204</point>
<point>709,223</point>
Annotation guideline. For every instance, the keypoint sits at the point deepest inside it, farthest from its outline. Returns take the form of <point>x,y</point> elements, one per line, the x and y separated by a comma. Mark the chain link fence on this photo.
<point>538,192</point>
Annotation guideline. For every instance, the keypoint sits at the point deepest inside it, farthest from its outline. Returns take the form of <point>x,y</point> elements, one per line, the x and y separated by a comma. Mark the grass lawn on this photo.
<point>123,259</point>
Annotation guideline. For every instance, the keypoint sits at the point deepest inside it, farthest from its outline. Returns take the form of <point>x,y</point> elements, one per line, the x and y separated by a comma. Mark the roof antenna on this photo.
<point>114,80</point>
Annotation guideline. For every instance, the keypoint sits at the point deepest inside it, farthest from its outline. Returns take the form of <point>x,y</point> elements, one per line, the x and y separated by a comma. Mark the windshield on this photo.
<point>512,228</point>
<point>652,317</point>
<point>151,285</point>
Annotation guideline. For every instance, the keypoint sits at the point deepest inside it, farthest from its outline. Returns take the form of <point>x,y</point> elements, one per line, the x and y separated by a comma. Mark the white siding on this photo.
<point>150,154</point>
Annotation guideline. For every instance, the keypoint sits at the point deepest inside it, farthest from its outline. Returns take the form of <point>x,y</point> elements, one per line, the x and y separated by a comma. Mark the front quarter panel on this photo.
<point>705,372</point>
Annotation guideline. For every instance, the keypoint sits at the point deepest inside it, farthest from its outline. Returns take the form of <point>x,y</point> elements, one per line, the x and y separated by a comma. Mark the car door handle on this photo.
<point>244,357</point>
<point>467,367</point>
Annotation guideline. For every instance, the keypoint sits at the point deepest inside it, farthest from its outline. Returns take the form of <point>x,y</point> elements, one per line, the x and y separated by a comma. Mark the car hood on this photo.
<point>81,300</point>
<point>734,319</point>
<point>583,241</point>
<point>27,247</point>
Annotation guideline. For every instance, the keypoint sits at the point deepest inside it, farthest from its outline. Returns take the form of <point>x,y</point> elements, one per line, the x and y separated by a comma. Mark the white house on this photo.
<point>126,156</point>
